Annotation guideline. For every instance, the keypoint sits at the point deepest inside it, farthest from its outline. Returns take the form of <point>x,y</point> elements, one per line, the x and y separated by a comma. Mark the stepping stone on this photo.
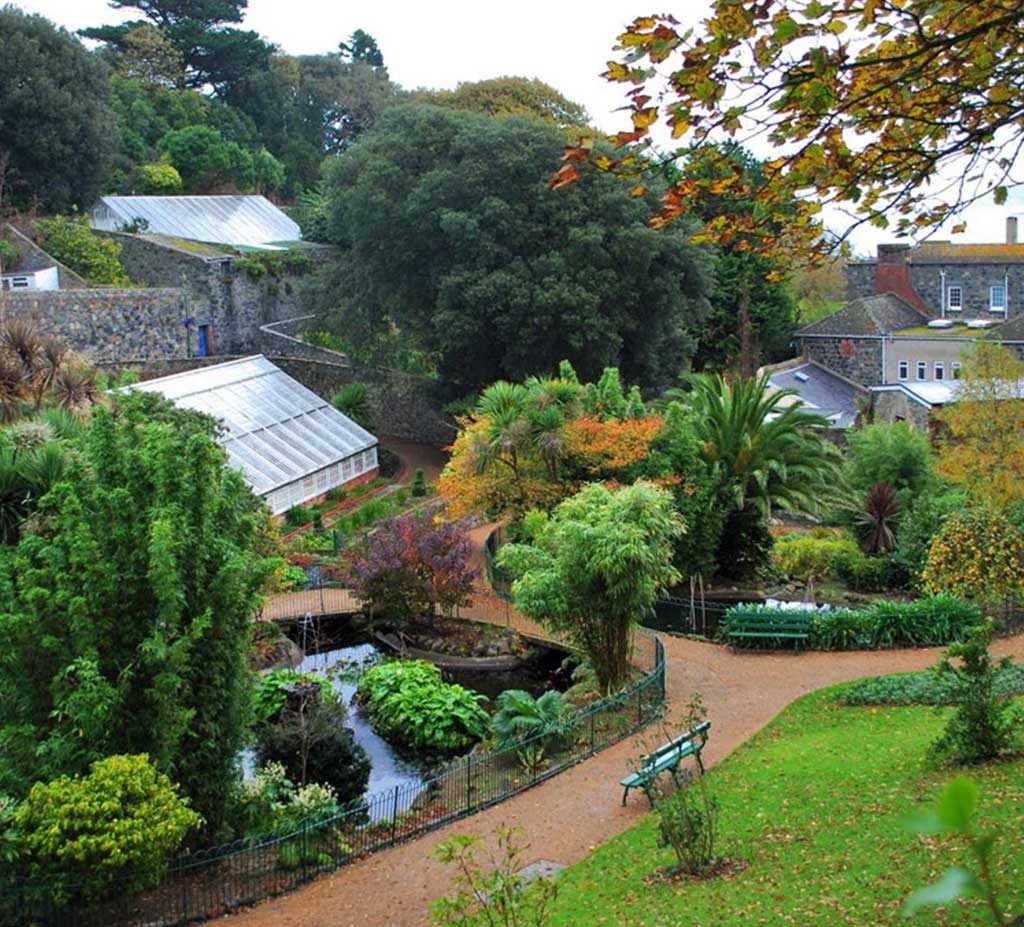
<point>541,869</point>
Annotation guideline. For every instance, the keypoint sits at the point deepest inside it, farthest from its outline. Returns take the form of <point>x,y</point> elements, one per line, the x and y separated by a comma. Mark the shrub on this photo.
<point>521,717</point>
<point>419,487</point>
<point>925,688</point>
<point>8,254</point>
<point>297,516</point>
<point>70,240</point>
<point>351,400</point>
<point>157,179</point>
<point>808,558</point>
<point>861,573</point>
<point>917,527</point>
<point>272,692</point>
<point>310,739</point>
<point>840,629</point>
<point>115,827</point>
<point>894,454</point>
<point>876,522</point>
<point>410,703</point>
<point>688,823</point>
<point>976,553</point>
<point>982,726</point>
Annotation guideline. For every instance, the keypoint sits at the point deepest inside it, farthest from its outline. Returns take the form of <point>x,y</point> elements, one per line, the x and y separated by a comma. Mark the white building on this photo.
<point>290,444</point>
<point>46,279</point>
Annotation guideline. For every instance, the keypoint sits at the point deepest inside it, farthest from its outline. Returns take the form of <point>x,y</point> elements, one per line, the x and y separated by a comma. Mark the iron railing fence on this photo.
<point>213,882</point>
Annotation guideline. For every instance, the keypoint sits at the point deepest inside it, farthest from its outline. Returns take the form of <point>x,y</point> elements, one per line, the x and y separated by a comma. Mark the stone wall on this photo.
<point>222,295</point>
<point>281,338</point>
<point>975,279</point>
<point>860,280</point>
<point>857,359</point>
<point>108,325</point>
<point>896,406</point>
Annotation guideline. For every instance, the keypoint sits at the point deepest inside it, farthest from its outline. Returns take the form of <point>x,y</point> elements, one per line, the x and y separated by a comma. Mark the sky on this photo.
<point>442,43</point>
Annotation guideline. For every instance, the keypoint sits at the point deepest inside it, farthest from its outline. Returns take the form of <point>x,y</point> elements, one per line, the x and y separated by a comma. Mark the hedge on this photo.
<point>928,622</point>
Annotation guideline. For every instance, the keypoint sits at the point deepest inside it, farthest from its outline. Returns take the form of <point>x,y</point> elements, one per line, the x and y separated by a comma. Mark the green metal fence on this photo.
<point>210,883</point>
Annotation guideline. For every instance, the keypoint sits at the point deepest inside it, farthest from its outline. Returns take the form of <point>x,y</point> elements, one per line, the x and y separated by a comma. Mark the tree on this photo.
<point>753,316</point>
<point>214,54</point>
<point>268,172</point>
<point>148,55</point>
<point>891,453</point>
<point>594,569</point>
<point>207,162</point>
<point>767,453</point>
<point>512,96</point>
<point>126,616</point>
<point>361,46</point>
<point>981,434</point>
<point>868,103</point>
<point>411,564</point>
<point>157,179</point>
<point>57,132</point>
<point>449,234</point>
<point>312,106</point>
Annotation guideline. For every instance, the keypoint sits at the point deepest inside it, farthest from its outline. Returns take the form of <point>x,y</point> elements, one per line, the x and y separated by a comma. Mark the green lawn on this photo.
<point>811,310</point>
<point>816,803</point>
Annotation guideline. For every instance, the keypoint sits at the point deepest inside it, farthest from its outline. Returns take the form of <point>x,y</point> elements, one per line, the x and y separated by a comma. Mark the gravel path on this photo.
<point>566,817</point>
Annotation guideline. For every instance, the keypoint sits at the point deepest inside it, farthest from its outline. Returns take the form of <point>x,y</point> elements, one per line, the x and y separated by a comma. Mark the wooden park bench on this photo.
<point>667,757</point>
<point>782,625</point>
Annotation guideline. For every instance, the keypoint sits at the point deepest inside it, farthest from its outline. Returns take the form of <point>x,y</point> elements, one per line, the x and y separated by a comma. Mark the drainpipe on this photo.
<point>885,375</point>
<point>942,294</point>
<point>1006,295</point>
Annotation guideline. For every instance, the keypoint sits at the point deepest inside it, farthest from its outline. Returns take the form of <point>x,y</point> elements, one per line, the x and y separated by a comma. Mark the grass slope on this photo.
<point>816,803</point>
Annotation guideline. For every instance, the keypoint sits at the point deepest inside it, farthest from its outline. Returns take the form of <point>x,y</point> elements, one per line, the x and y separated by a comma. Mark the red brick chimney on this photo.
<point>893,276</point>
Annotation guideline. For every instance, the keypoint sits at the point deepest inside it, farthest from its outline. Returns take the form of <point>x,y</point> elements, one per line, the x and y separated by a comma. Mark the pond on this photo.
<point>332,644</point>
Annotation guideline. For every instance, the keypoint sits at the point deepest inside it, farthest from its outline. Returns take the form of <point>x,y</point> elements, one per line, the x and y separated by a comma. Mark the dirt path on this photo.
<point>566,817</point>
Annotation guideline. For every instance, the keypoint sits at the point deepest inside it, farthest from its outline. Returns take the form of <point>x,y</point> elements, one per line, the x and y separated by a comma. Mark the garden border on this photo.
<point>222,879</point>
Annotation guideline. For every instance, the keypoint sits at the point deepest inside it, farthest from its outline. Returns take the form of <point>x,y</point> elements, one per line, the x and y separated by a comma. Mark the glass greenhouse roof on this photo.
<point>275,430</point>
<point>244,221</point>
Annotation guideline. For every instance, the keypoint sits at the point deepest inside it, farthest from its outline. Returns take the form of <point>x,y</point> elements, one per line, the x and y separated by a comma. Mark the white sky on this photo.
<point>441,43</point>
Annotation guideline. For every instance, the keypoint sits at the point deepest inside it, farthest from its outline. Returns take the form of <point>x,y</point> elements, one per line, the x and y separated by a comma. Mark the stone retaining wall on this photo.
<point>110,324</point>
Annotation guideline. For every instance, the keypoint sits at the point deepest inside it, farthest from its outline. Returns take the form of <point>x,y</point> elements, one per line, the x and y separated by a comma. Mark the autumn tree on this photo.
<point>870,105</point>
<point>595,567</point>
<point>981,434</point>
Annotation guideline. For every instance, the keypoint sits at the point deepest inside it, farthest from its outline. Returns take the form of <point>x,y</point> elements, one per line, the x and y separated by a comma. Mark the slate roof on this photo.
<point>821,391</point>
<point>870,315</point>
<point>242,221</point>
<point>275,430</point>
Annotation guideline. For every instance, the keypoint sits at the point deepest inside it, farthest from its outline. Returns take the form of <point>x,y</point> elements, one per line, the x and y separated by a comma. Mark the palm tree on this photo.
<point>26,475</point>
<point>770,451</point>
<point>768,454</point>
<point>351,400</point>
<point>521,717</point>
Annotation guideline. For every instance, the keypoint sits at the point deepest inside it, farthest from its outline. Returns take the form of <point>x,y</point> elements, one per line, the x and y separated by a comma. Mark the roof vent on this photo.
<point>801,376</point>
<point>940,323</point>
<point>980,323</point>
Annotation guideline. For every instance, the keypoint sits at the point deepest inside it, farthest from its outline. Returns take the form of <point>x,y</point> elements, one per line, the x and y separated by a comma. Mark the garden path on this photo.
<point>567,816</point>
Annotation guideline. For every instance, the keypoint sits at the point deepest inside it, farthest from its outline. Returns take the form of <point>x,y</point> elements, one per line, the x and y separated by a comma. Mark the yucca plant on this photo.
<point>351,400</point>
<point>876,522</point>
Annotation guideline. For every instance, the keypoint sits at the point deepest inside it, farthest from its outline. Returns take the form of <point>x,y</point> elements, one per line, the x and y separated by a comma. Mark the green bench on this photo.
<point>666,757</point>
<point>795,626</point>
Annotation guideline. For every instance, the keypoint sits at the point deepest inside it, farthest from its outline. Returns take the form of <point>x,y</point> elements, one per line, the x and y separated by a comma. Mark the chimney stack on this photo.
<point>1011,230</point>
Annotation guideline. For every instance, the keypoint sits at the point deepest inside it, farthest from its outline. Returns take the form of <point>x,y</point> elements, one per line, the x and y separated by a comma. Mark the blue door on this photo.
<point>204,340</point>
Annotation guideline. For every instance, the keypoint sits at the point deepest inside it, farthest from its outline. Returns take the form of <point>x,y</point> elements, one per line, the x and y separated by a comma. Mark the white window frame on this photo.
<point>21,283</point>
<point>939,370</point>
<point>903,370</point>
<point>993,306</point>
<point>958,306</point>
<point>922,371</point>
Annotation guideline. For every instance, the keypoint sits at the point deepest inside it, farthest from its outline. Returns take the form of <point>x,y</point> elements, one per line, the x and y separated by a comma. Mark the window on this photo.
<point>904,370</point>
<point>940,370</point>
<point>955,298</point>
<point>19,283</point>
<point>956,370</point>
<point>996,298</point>
<point>922,370</point>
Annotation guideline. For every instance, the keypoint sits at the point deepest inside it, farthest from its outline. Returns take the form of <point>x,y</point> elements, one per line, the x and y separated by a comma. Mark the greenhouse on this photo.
<point>290,444</point>
<point>240,221</point>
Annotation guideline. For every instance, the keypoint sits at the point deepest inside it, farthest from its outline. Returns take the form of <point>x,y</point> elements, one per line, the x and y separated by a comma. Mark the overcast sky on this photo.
<point>441,43</point>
